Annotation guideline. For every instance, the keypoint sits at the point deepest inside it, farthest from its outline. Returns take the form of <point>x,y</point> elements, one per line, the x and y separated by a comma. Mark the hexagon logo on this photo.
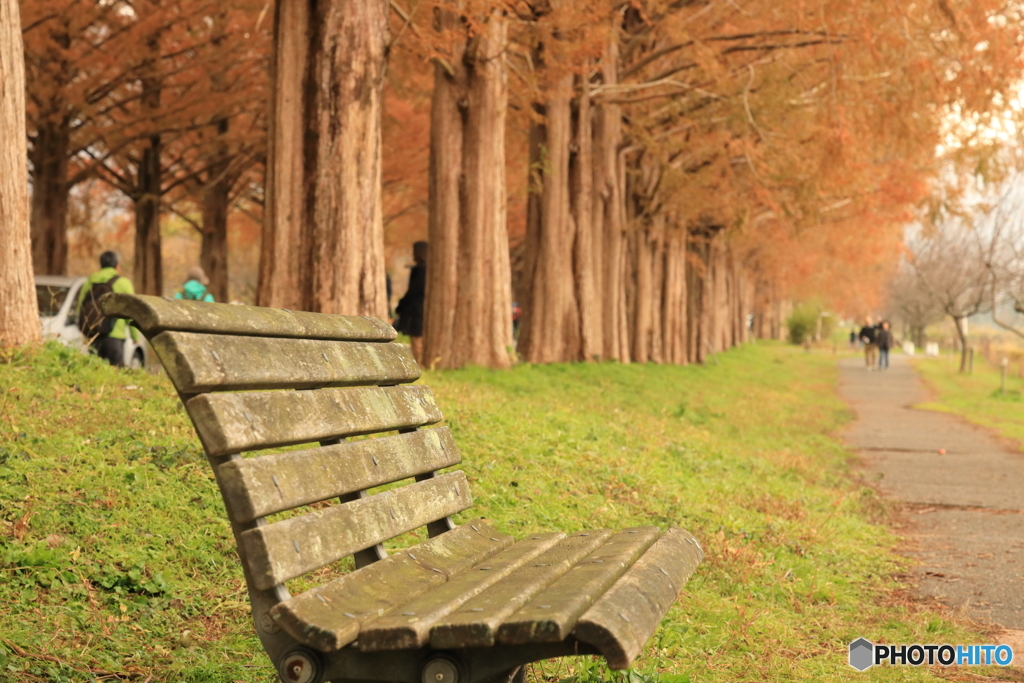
<point>862,654</point>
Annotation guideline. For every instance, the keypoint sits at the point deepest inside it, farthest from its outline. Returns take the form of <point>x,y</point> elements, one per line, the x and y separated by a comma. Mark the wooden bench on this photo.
<point>467,605</point>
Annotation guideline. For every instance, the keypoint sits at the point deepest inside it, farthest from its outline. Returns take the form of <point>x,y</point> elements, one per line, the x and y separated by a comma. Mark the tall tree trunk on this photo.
<point>19,312</point>
<point>656,247</point>
<point>551,331</point>
<point>646,258</point>
<point>149,188</point>
<point>50,197</point>
<point>640,301</point>
<point>631,283</point>
<point>445,193</point>
<point>700,289</point>
<point>609,215</point>
<point>722,320</point>
<point>765,307</point>
<point>694,291</point>
<point>148,278</point>
<point>534,219</point>
<point>673,299</point>
<point>743,300</point>
<point>483,315</point>
<point>343,158</point>
<point>323,246</point>
<point>781,311</point>
<point>213,256</point>
<point>646,288</point>
<point>960,323</point>
<point>729,303</point>
<point>586,254</point>
<point>281,261</point>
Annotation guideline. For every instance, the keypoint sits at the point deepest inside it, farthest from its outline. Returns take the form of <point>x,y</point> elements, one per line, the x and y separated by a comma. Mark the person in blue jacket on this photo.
<point>195,285</point>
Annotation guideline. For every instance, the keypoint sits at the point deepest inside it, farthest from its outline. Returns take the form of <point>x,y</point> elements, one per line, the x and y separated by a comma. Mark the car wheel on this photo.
<point>138,361</point>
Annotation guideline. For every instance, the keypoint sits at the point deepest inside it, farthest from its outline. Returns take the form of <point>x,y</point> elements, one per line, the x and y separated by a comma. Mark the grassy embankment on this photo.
<point>977,396</point>
<point>115,555</point>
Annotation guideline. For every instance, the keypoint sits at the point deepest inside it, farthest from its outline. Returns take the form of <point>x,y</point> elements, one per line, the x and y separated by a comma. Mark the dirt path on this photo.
<point>963,510</point>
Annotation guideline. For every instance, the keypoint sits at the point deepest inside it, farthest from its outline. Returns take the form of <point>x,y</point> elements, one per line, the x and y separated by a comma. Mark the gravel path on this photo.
<point>963,510</point>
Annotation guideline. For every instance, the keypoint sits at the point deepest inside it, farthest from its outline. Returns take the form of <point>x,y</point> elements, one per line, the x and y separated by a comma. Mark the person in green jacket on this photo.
<point>109,347</point>
<point>195,286</point>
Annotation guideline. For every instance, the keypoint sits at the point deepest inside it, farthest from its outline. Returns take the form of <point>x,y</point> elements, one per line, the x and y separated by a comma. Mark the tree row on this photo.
<point>667,173</point>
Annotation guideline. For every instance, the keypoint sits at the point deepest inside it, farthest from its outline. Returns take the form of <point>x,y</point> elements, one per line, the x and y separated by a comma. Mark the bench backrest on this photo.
<point>233,367</point>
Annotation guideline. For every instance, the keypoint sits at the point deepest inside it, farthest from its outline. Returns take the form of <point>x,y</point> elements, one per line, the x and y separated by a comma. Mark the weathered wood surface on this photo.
<point>257,487</point>
<point>622,619</point>
<point>235,422</point>
<point>410,627</point>
<point>218,362</point>
<point>153,314</point>
<point>476,623</point>
<point>550,616</point>
<point>330,617</point>
<point>292,547</point>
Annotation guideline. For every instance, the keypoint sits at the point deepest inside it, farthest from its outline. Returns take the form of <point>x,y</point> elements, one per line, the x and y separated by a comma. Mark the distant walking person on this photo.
<point>884,339</point>
<point>410,307</point>
<point>106,335</point>
<point>195,286</point>
<point>867,337</point>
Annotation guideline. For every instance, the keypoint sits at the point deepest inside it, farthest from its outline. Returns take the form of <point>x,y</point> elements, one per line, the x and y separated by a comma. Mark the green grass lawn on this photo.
<point>116,556</point>
<point>977,396</point>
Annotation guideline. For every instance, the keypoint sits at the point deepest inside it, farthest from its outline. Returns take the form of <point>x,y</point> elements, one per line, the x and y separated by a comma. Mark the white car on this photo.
<point>58,298</point>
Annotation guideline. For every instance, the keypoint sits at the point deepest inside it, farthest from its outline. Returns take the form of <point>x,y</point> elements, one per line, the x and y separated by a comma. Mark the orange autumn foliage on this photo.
<point>810,130</point>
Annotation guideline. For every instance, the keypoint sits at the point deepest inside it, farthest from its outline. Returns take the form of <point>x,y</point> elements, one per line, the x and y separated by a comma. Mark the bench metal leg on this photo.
<point>502,664</point>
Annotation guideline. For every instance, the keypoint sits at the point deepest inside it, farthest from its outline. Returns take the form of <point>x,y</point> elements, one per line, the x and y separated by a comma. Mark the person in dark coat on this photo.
<point>884,340</point>
<point>410,307</point>
<point>867,337</point>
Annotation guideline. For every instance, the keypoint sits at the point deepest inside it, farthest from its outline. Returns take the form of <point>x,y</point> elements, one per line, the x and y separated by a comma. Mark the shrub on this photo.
<point>802,323</point>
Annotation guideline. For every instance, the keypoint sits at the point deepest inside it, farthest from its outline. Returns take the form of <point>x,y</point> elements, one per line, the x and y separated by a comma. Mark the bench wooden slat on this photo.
<point>235,422</point>
<point>476,623</point>
<point>220,362</point>
<point>622,619</point>
<point>257,487</point>
<point>550,616</point>
<point>329,617</point>
<point>284,550</point>
<point>154,314</point>
<point>410,628</point>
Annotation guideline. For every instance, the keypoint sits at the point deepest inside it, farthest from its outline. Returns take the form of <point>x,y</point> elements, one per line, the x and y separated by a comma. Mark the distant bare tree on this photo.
<point>913,305</point>
<point>951,264</point>
<point>1004,226</point>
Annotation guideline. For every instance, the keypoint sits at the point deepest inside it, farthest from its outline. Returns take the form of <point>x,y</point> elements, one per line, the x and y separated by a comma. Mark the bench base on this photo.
<point>471,665</point>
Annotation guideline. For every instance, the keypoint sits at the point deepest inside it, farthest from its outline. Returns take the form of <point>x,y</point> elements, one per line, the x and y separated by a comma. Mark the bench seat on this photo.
<point>469,604</point>
<point>475,587</point>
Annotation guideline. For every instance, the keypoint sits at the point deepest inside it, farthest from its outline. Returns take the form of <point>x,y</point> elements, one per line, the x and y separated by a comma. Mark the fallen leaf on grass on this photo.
<point>21,526</point>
